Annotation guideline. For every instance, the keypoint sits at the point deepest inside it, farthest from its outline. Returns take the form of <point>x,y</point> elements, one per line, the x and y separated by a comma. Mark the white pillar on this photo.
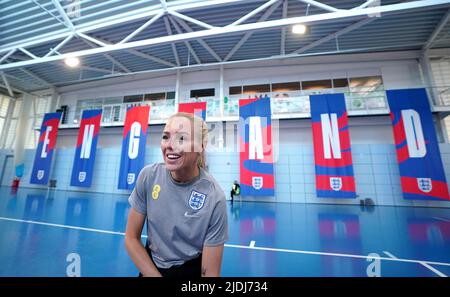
<point>177,90</point>
<point>222,107</point>
<point>23,130</point>
<point>221,93</point>
<point>443,127</point>
<point>7,125</point>
<point>54,102</point>
<point>429,81</point>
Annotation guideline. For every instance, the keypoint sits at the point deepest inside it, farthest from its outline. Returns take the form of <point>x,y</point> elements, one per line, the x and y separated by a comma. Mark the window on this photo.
<point>366,93</point>
<point>368,83</point>
<point>39,108</point>
<point>11,136</point>
<point>340,83</point>
<point>440,68</point>
<point>316,84</point>
<point>256,89</point>
<point>4,105</point>
<point>170,95</point>
<point>203,93</point>
<point>286,87</point>
<point>154,96</point>
<point>235,90</point>
<point>111,113</point>
<point>133,98</point>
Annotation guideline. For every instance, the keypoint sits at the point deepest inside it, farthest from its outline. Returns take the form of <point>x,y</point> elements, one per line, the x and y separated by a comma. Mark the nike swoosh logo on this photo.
<point>190,216</point>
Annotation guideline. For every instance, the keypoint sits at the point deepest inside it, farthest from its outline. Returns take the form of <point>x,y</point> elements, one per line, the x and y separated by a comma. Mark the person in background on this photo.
<point>235,190</point>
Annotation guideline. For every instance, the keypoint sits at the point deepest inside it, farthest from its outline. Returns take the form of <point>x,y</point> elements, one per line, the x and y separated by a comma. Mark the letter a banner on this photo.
<point>133,145</point>
<point>256,156</point>
<point>332,151</point>
<point>83,163</point>
<point>419,159</point>
<point>44,152</point>
<point>197,108</point>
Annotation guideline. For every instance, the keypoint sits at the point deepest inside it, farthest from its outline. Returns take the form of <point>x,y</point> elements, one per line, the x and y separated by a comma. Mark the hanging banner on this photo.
<point>83,163</point>
<point>419,159</point>
<point>133,145</point>
<point>44,152</point>
<point>197,108</point>
<point>332,151</point>
<point>256,156</point>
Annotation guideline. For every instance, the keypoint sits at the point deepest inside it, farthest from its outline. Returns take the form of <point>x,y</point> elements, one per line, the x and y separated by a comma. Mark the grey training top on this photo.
<point>181,218</point>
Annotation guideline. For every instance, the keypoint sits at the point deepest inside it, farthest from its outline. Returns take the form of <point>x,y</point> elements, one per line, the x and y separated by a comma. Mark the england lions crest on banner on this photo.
<point>196,200</point>
<point>257,182</point>
<point>425,184</point>
<point>40,174</point>
<point>82,176</point>
<point>336,183</point>
<point>130,178</point>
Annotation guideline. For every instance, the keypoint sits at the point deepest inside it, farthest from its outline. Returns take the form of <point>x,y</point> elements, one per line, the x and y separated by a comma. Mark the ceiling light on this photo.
<point>299,29</point>
<point>72,61</point>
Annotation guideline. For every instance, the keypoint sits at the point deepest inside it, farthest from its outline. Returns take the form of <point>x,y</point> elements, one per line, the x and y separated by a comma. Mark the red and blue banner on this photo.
<point>83,163</point>
<point>44,152</point>
<point>196,108</point>
<point>256,155</point>
<point>332,151</point>
<point>421,171</point>
<point>133,145</point>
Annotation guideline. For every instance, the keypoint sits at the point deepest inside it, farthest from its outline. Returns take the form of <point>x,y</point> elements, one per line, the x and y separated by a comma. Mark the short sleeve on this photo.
<point>217,233</point>
<point>137,198</point>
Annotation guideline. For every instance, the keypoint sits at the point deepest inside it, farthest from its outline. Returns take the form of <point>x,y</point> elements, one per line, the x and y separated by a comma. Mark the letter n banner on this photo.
<point>44,152</point>
<point>332,151</point>
<point>419,159</point>
<point>133,145</point>
<point>256,156</point>
<point>83,163</point>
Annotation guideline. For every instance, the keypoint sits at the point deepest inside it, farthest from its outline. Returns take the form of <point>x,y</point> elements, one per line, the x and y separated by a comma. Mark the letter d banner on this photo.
<point>419,159</point>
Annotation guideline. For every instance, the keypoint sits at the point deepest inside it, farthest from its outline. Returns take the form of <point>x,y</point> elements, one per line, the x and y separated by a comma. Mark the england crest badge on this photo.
<point>257,182</point>
<point>82,176</point>
<point>336,183</point>
<point>196,200</point>
<point>130,178</point>
<point>425,184</point>
<point>40,174</point>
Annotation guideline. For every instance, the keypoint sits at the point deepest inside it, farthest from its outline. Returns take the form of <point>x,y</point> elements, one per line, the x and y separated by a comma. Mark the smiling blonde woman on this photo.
<point>183,205</point>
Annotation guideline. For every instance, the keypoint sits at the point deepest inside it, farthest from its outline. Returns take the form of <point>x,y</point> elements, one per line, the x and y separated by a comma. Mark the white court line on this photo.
<point>238,246</point>
<point>441,219</point>
<point>65,226</point>
<point>422,263</point>
<point>252,244</point>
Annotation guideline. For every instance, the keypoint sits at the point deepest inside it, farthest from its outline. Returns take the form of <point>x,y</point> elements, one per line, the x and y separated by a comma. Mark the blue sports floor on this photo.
<point>38,229</point>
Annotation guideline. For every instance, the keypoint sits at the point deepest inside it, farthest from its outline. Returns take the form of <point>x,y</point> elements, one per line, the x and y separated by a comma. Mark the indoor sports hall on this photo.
<point>328,131</point>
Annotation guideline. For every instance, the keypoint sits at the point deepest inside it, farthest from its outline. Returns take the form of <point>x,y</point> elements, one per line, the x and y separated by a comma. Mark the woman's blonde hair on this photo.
<point>200,128</point>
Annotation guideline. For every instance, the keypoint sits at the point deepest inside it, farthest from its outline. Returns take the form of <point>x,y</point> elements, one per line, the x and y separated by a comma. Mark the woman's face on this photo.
<point>177,145</point>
